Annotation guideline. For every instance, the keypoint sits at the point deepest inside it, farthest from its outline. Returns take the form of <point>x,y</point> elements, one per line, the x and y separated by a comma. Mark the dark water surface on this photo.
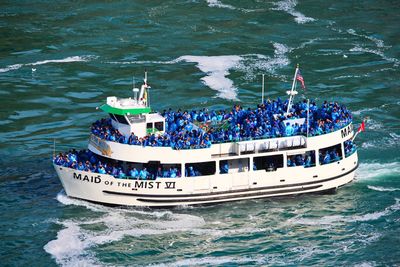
<point>60,60</point>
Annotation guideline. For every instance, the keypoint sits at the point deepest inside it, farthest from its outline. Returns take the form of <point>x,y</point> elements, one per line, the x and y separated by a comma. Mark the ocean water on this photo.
<point>60,60</point>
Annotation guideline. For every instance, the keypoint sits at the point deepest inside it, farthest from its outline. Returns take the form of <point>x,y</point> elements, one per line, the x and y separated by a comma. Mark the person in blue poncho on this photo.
<point>225,168</point>
<point>134,173</point>
<point>327,158</point>
<point>191,171</point>
<point>101,169</point>
<point>143,174</point>
<point>172,173</point>
<point>121,173</point>
<point>81,167</point>
<point>308,161</point>
<point>336,156</point>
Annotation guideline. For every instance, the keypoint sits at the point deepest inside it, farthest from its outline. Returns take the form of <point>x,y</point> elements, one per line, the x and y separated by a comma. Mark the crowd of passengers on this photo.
<point>329,156</point>
<point>85,160</point>
<point>349,147</point>
<point>306,160</point>
<point>266,121</point>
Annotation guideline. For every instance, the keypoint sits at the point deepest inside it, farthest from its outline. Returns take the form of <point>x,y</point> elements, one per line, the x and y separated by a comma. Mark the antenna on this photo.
<point>262,90</point>
<point>54,148</point>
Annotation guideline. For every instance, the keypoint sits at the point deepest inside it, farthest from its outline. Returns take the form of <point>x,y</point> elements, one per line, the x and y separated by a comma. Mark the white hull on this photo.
<point>166,192</point>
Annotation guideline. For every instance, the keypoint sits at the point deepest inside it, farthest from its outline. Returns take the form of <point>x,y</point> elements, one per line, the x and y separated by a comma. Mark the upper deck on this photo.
<point>265,128</point>
<point>199,129</point>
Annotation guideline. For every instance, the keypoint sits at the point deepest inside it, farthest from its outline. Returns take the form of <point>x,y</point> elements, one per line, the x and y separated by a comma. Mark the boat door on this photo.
<point>239,171</point>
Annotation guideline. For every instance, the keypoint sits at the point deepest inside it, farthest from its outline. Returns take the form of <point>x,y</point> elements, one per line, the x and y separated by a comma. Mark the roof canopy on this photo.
<point>122,111</point>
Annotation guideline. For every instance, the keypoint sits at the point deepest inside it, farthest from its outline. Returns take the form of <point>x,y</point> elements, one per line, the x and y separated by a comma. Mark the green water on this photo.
<point>60,60</point>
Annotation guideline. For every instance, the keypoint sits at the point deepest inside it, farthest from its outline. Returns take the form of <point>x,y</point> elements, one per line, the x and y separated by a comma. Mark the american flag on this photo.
<point>300,78</point>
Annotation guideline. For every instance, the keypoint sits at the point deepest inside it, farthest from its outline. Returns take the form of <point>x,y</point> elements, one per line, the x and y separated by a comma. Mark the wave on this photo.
<point>73,243</point>
<point>64,60</point>
<point>219,4</point>
<point>335,219</point>
<point>213,261</point>
<point>383,189</point>
<point>364,110</point>
<point>385,142</point>
<point>372,170</point>
<point>358,48</point>
<point>216,3</point>
<point>288,6</point>
<point>217,68</point>
<point>378,42</point>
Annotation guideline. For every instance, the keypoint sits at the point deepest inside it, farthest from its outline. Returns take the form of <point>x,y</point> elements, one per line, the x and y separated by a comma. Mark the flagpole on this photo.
<point>292,90</point>
<point>354,137</point>
<point>262,91</point>
<point>308,115</point>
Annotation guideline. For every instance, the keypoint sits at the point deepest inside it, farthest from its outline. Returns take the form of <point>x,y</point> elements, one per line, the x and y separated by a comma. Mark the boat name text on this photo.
<point>347,130</point>
<point>129,184</point>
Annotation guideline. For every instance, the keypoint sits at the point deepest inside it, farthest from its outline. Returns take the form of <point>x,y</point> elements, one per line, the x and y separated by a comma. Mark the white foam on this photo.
<point>383,189</point>
<point>73,243</point>
<point>360,111</point>
<point>288,6</point>
<point>253,64</point>
<point>219,4</point>
<point>373,170</point>
<point>64,60</point>
<point>213,261</point>
<point>380,45</point>
<point>64,199</point>
<point>216,3</point>
<point>11,67</point>
<point>378,42</point>
<point>380,53</point>
<point>335,219</point>
<point>69,246</point>
<point>217,69</point>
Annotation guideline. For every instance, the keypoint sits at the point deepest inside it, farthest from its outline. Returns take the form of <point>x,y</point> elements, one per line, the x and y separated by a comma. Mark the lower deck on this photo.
<point>209,188</point>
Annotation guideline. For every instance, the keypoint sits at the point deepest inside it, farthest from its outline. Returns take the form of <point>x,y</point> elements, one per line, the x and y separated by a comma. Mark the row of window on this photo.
<point>268,163</point>
<point>150,126</point>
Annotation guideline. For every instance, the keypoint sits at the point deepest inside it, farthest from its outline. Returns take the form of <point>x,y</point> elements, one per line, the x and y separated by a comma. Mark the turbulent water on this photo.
<point>59,60</point>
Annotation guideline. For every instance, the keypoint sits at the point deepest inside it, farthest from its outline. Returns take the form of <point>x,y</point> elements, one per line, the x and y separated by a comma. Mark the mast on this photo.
<point>293,91</point>
<point>144,91</point>
<point>262,90</point>
<point>308,115</point>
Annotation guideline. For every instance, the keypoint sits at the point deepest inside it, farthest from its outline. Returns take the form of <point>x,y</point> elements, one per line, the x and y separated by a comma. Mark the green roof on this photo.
<point>119,111</point>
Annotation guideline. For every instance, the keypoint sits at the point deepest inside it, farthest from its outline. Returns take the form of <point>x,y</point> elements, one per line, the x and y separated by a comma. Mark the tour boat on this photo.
<point>139,157</point>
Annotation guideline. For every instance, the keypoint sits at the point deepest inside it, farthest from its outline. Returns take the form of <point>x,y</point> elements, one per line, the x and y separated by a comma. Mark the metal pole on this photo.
<point>262,93</point>
<point>308,115</point>
<point>291,91</point>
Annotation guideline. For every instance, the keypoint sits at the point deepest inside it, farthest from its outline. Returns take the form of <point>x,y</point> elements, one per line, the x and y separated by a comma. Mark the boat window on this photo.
<point>112,116</point>
<point>306,159</point>
<point>121,119</point>
<point>268,163</point>
<point>349,148</point>
<point>234,165</point>
<point>149,125</point>
<point>136,118</point>
<point>165,170</point>
<point>159,126</point>
<point>200,168</point>
<point>330,154</point>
